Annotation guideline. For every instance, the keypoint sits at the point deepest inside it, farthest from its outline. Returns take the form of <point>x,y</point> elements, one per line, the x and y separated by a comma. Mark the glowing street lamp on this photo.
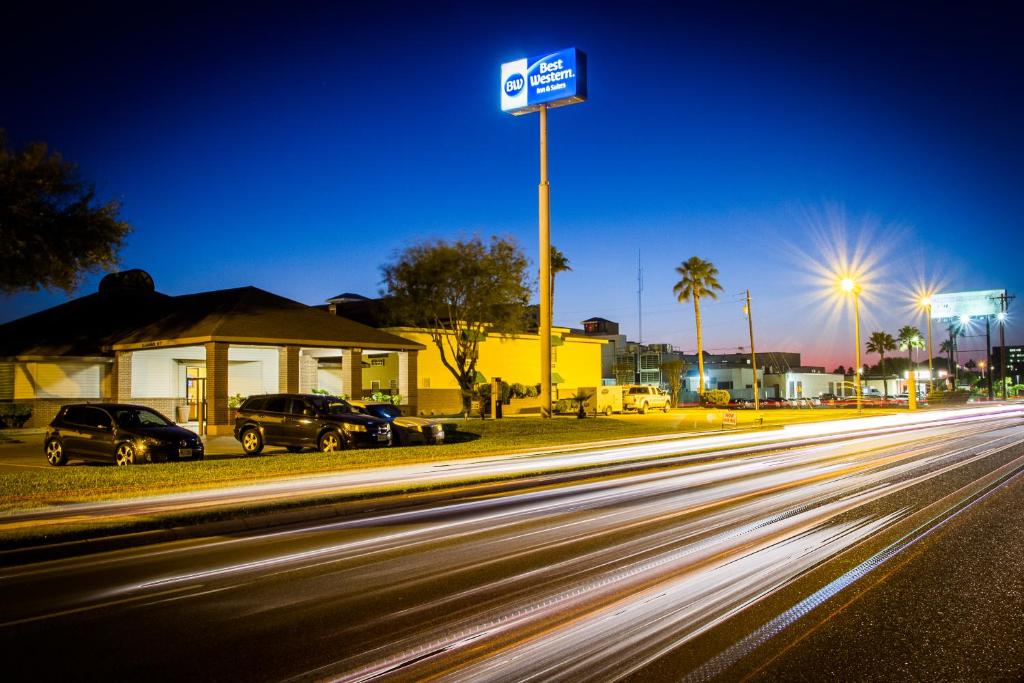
<point>851,287</point>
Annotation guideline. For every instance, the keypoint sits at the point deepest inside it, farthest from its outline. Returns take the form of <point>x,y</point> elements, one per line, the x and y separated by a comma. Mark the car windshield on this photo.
<point>138,417</point>
<point>384,412</point>
<point>638,390</point>
<point>332,405</point>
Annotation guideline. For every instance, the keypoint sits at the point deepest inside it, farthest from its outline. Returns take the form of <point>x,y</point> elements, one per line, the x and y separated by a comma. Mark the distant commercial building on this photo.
<point>1014,362</point>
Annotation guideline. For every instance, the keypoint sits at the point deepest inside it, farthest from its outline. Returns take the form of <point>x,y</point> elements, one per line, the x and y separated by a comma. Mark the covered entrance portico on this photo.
<point>192,363</point>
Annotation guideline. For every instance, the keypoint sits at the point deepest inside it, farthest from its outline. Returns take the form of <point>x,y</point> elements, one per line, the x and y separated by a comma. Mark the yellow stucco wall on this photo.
<point>513,358</point>
<point>380,373</point>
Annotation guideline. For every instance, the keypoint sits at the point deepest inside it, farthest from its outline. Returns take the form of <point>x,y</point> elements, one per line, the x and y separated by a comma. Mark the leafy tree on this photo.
<point>880,342</point>
<point>673,370</point>
<point>909,338</point>
<point>51,233</point>
<point>841,370</point>
<point>458,292</point>
<point>559,264</point>
<point>698,278</point>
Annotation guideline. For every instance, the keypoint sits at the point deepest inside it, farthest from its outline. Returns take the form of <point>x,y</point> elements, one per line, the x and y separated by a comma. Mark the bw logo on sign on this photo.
<point>514,83</point>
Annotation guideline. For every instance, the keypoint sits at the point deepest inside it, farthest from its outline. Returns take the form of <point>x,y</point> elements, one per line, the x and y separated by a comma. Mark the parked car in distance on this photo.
<point>405,429</point>
<point>120,433</point>
<point>299,421</point>
<point>645,397</point>
<point>740,404</point>
<point>773,402</point>
<point>827,399</point>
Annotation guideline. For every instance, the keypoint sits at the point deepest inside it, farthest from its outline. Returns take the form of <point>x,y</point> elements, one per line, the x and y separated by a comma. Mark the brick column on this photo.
<point>121,377</point>
<point>288,369</point>
<point>352,373</point>
<point>308,380</point>
<point>408,379</point>
<point>217,389</point>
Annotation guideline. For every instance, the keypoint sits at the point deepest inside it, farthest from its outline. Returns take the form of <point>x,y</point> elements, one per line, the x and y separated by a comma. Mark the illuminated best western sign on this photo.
<point>979,304</point>
<point>555,79</point>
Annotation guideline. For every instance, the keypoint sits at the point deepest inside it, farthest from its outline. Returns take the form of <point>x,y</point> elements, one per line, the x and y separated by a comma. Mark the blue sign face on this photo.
<point>555,80</point>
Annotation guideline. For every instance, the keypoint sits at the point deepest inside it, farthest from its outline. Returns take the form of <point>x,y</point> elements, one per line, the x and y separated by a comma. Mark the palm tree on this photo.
<point>559,264</point>
<point>909,338</point>
<point>880,342</point>
<point>698,278</point>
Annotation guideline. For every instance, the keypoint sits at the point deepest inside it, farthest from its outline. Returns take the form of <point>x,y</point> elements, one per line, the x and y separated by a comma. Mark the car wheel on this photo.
<point>252,442</point>
<point>667,407</point>
<point>642,409</point>
<point>199,456</point>
<point>331,442</point>
<point>295,449</point>
<point>608,411</point>
<point>55,454</point>
<point>396,438</point>
<point>124,455</point>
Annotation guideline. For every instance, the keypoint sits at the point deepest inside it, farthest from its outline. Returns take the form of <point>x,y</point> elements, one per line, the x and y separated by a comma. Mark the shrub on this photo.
<point>948,397</point>
<point>532,392</point>
<point>382,397</point>
<point>716,397</point>
<point>235,401</point>
<point>564,405</point>
<point>13,415</point>
<point>518,390</point>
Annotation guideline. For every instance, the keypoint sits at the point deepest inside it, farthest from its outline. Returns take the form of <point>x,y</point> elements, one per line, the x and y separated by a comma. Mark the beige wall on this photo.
<point>62,379</point>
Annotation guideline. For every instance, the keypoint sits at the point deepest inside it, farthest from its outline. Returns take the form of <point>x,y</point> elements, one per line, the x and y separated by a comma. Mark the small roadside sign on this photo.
<point>729,419</point>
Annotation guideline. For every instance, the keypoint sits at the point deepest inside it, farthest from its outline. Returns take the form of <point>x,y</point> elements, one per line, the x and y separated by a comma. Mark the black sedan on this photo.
<point>119,433</point>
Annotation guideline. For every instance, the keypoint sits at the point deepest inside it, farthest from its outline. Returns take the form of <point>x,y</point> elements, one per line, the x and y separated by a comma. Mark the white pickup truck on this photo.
<point>643,398</point>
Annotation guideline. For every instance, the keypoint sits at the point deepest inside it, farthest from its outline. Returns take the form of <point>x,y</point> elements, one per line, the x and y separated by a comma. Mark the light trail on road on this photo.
<point>587,580</point>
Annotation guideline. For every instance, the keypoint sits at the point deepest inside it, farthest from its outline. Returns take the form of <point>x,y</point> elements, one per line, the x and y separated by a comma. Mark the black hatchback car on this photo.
<point>117,432</point>
<point>300,421</point>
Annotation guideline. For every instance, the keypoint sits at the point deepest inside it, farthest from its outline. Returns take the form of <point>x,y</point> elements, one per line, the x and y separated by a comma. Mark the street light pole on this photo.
<point>544,207</point>
<point>849,285</point>
<point>927,304</point>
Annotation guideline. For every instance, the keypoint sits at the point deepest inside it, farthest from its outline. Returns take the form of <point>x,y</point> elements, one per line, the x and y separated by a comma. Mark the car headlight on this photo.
<point>352,427</point>
<point>148,442</point>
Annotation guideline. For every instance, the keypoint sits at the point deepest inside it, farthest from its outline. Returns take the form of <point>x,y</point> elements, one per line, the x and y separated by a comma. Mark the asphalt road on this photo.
<point>761,564</point>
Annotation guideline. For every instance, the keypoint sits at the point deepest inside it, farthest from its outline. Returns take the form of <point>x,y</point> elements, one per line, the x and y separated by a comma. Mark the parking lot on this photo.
<point>25,451</point>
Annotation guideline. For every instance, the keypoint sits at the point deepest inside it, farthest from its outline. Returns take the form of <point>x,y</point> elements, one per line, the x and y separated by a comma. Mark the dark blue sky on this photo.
<point>297,149</point>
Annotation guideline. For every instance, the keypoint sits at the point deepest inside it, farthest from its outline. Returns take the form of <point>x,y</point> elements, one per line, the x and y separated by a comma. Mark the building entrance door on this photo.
<point>195,395</point>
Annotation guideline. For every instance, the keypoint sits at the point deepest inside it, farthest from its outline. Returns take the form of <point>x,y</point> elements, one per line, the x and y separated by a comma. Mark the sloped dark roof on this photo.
<point>597,320</point>
<point>347,296</point>
<point>86,326</point>
<point>249,314</point>
<point>93,325</point>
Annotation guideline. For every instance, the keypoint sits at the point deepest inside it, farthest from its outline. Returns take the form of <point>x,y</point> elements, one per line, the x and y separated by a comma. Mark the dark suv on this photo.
<point>300,421</point>
<point>117,432</point>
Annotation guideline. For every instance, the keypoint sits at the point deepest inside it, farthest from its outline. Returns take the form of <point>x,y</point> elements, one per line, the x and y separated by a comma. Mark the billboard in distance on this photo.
<point>554,79</point>
<point>980,304</point>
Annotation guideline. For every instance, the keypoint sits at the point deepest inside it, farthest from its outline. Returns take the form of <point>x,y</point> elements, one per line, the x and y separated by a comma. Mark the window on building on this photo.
<point>375,385</point>
<point>725,385</point>
<point>393,384</point>
<point>426,382</point>
<point>377,362</point>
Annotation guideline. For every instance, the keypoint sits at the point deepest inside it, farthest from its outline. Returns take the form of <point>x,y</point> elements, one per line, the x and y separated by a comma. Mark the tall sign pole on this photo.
<point>538,84</point>
<point>544,210</point>
<point>753,354</point>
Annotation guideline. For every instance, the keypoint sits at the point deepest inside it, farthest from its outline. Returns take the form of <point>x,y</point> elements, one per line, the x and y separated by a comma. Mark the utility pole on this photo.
<point>753,354</point>
<point>988,352</point>
<point>1004,303</point>
<point>640,314</point>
